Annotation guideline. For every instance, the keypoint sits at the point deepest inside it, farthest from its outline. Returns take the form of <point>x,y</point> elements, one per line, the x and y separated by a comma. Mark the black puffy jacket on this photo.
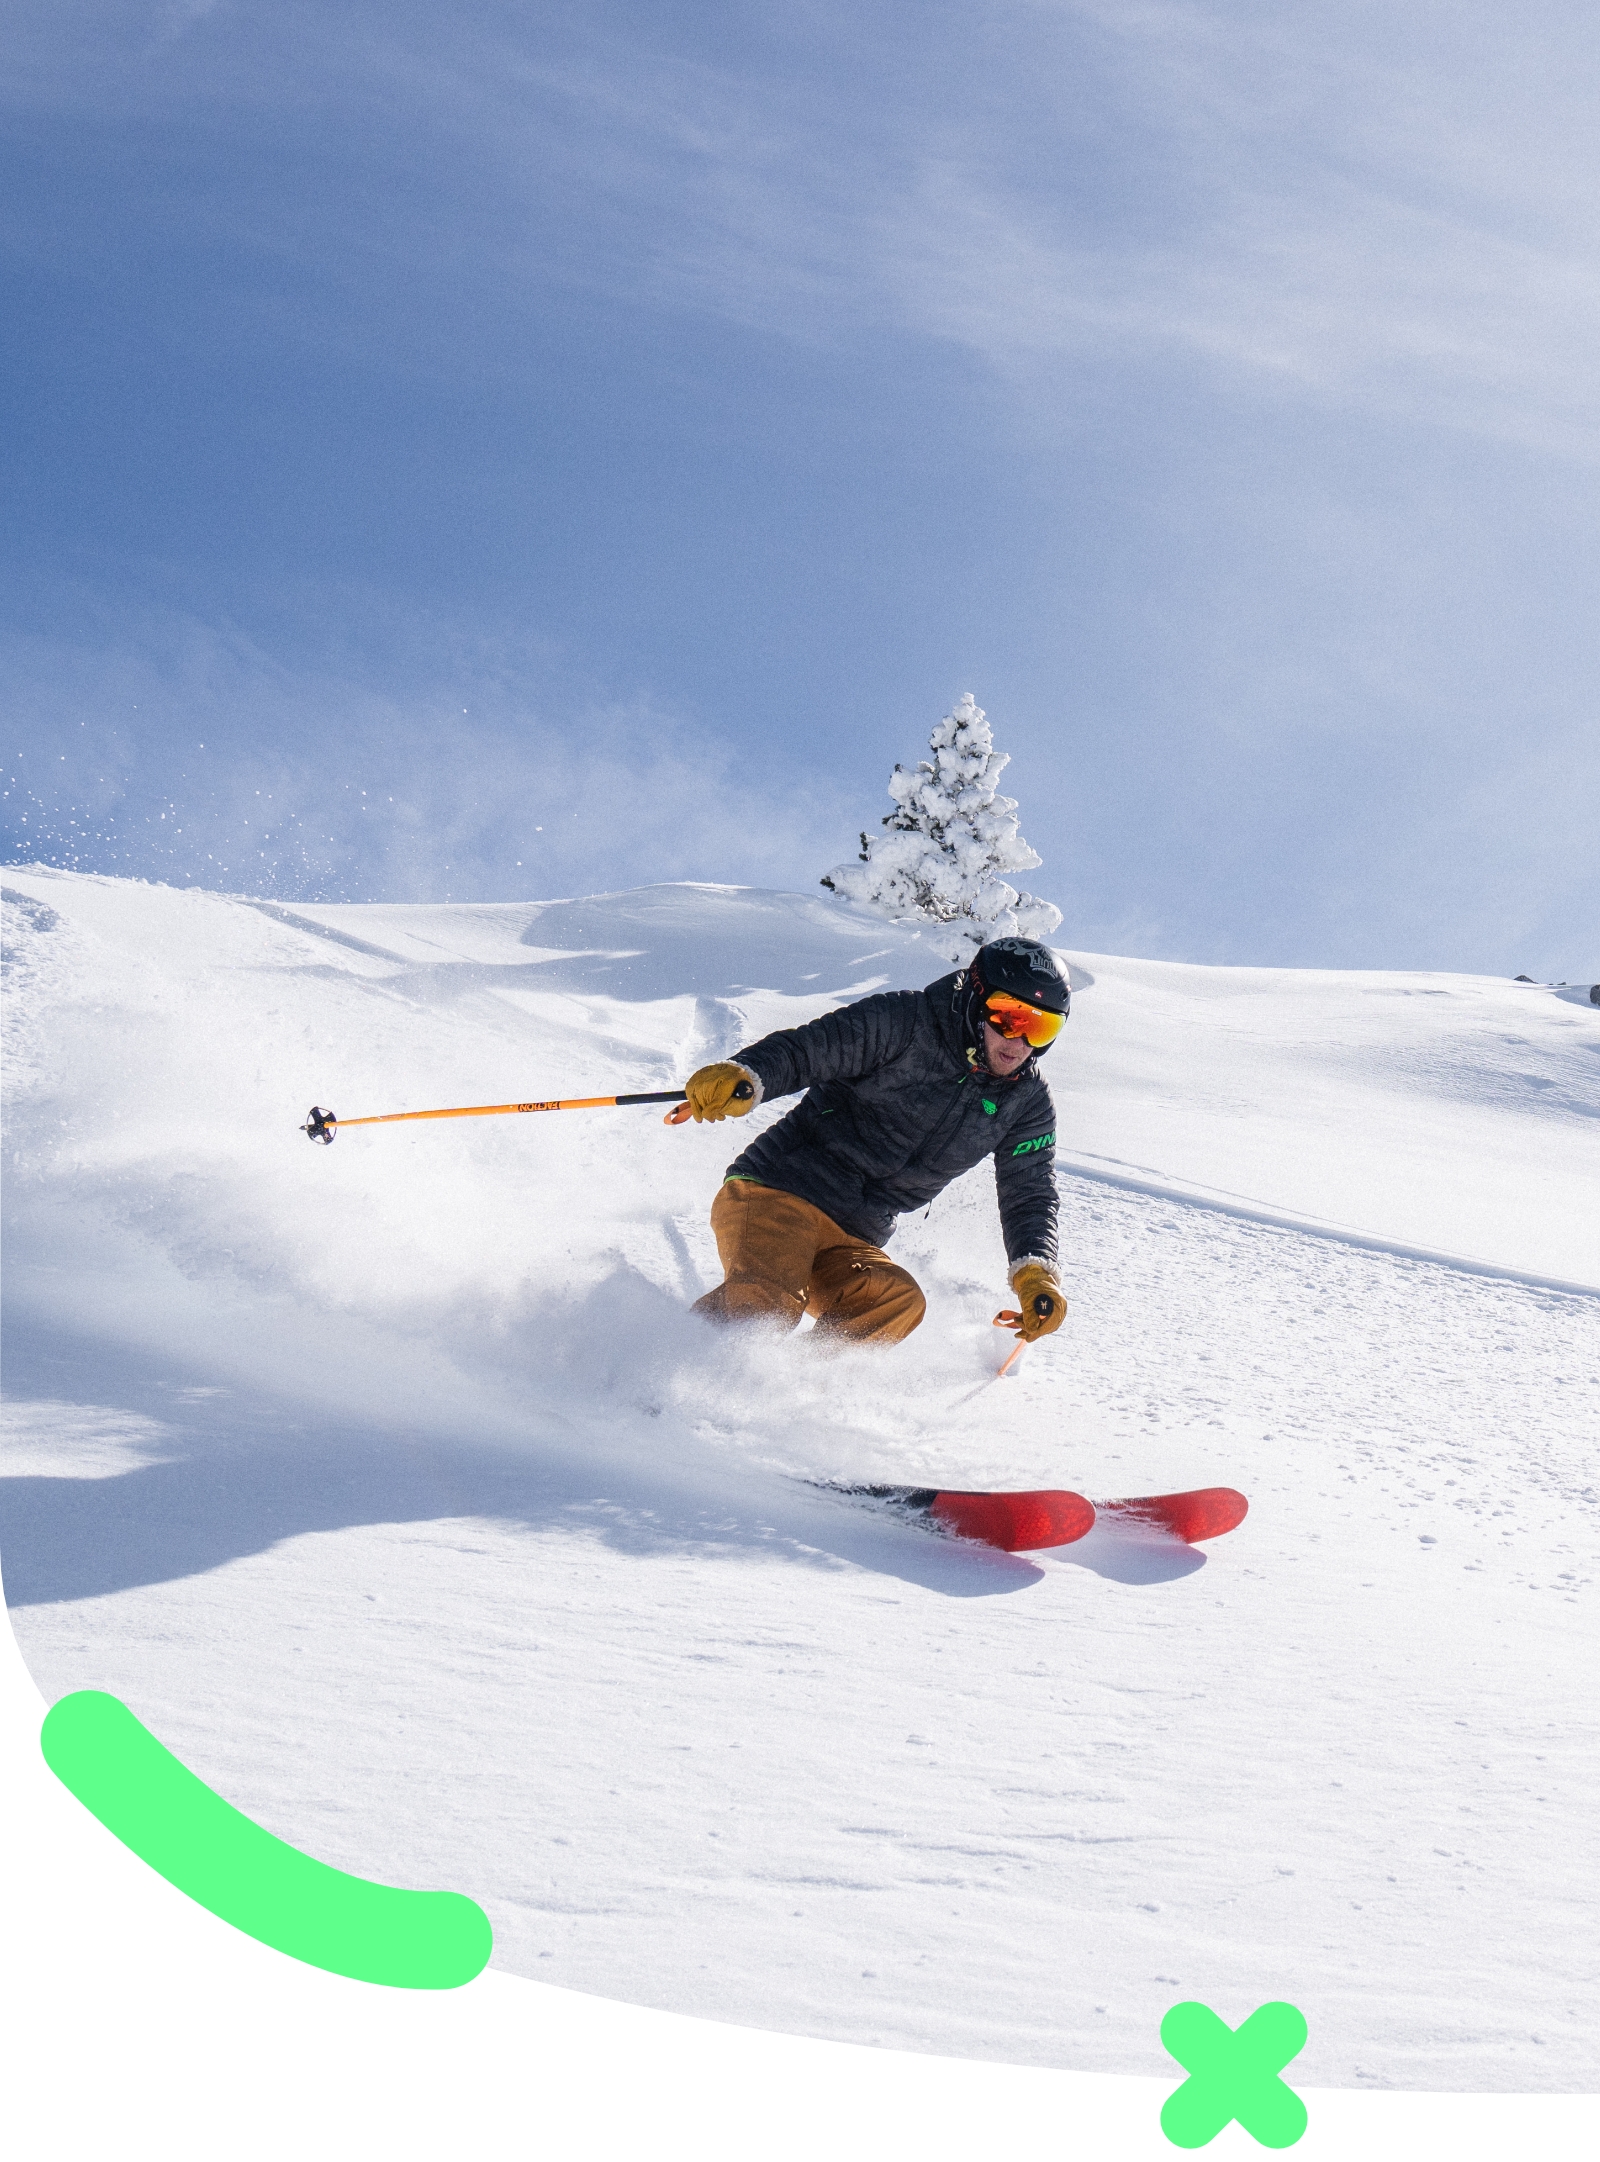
<point>894,1110</point>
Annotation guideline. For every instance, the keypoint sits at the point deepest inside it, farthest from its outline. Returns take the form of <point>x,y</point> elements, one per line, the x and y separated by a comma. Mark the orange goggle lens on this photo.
<point>1013,1017</point>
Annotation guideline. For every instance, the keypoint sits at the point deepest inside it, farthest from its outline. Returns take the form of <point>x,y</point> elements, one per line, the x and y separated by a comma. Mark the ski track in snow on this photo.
<point>393,1486</point>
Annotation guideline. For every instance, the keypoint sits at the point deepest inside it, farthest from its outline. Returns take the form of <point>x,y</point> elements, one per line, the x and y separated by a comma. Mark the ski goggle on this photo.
<point>1013,1017</point>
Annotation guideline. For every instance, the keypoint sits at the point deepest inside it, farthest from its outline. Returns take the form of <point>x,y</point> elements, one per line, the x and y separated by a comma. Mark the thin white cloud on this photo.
<point>1286,204</point>
<point>1391,210</point>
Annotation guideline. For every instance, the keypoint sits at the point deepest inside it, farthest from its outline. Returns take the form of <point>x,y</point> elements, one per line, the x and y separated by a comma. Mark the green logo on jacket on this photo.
<point>1039,1141</point>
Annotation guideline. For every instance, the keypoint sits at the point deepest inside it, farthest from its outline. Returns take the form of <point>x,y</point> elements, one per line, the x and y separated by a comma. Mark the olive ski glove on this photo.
<point>724,1091</point>
<point>1039,1294</point>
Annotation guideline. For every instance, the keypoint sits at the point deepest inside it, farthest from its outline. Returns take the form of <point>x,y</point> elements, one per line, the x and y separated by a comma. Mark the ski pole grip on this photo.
<point>1044,1306</point>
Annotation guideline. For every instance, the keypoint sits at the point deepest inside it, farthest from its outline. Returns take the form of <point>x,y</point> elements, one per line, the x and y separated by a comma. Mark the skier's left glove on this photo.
<point>1043,1302</point>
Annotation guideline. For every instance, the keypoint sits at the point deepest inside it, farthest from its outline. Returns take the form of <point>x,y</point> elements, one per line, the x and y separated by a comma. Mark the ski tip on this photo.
<point>1204,1512</point>
<point>1015,1523</point>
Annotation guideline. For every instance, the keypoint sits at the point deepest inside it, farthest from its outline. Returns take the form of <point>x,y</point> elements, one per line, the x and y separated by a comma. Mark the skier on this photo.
<point>904,1092</point>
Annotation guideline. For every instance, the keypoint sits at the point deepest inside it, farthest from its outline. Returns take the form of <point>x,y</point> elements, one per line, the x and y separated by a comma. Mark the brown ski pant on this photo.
<point>783,1258</point>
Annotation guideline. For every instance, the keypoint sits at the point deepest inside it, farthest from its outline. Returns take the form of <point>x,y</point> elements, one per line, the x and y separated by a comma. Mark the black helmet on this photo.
<point>1027,970</point>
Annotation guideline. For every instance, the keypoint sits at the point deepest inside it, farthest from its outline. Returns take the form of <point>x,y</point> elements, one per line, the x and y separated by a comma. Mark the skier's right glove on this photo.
<point>724,1091</point>
<point>1037,1287</point>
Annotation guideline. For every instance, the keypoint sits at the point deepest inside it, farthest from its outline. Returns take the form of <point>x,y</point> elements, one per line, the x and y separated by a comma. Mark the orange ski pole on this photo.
<point>1006,1319</point>
<point>321,1125</point>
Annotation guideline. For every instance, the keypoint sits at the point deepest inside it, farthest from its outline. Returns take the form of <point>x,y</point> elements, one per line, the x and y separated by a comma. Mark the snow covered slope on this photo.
<point>393,1485</point>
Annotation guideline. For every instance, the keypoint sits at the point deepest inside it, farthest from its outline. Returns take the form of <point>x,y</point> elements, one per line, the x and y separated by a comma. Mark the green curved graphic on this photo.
<point>197,1841</point>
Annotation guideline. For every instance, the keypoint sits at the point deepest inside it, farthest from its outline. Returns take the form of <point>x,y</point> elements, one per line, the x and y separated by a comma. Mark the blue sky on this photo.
<point>501,451</point>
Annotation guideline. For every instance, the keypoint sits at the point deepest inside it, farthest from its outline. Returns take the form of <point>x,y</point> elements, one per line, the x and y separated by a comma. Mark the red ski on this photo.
<point>1205,1512</point>
<point>1012,1522</point>
<point>1050,1516</point>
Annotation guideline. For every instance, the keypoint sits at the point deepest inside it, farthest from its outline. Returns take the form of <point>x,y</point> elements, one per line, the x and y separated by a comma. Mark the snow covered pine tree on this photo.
<point>949,839</point>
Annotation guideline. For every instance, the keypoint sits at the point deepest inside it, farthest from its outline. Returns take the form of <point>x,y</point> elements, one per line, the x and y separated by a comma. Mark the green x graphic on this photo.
<point>1233,2072</point>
